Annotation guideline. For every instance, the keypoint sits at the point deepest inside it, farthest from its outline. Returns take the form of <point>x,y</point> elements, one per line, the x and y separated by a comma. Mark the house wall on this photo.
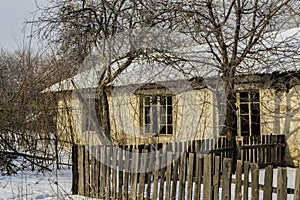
<point>280,114</point>
<point>192,118</point>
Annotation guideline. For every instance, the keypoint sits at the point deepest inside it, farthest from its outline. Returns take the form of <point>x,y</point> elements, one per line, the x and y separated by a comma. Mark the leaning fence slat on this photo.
<point>268,189</point>
<point>93,180</point>
<point>120,173</point>
<point>162,175</point>
<point>297,185</point>
<point>142,171</point>
<point>133,173</point>
<point>198,175</point>
<point>207,186</point>
<point>155,179</point>
<point>282,183</point>
<point>114,173</point>
<point>181,190</point>
<point>254,181</point>
<point>174,178</point>
<point>126,175</point>
<point>75,169</point>
<point>238,187</point>
<point>226,179</point>
<point>190,173</point>
<point>168,174</point>
<point>108,172</point>
<point>102,172</point>
<point>80,170</point>
<point>216,177</point>
<point>246,180</point>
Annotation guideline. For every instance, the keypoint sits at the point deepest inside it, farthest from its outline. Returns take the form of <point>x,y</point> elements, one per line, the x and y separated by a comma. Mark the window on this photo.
<point>248,113</point>
<point>156,114</point>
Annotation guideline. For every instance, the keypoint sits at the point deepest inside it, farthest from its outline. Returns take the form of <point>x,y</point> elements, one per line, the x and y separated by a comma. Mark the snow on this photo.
<point>34,185</point>
<point>58,184</point>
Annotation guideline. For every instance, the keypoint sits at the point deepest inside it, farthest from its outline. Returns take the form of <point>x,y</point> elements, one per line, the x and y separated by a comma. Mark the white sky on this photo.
<point>12,16</point>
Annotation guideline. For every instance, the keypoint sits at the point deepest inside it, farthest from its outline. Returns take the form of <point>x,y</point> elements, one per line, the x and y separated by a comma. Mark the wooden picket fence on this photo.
<point>191,176</point>
<point>182,170</point>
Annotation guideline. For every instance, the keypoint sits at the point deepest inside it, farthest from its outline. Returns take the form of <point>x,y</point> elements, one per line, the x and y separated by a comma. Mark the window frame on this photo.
<point>153,125</point>
<point>249,104</point>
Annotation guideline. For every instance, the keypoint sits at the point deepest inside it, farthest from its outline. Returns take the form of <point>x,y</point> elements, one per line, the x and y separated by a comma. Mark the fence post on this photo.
<point>238,188</point>
<point>75,169</point>
<point>282,183</point>
<point>207,183</point>
<point>268,189</point>
<point>226,179</point>
<point>297,185</point>
<point>254,181</point>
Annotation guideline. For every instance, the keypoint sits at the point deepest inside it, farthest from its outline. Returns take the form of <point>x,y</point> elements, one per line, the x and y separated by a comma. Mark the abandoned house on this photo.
<point>153,103</point>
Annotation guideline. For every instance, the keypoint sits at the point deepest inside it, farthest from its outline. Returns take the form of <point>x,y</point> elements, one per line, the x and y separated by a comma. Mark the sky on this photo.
<point>12,16</point>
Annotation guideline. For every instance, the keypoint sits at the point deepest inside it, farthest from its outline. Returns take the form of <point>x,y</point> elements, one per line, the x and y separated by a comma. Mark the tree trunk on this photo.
<point>230,129</point>
<point>103,112</point>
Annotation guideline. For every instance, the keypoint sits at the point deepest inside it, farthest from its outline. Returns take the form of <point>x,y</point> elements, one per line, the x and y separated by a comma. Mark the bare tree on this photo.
<point>236,37</point>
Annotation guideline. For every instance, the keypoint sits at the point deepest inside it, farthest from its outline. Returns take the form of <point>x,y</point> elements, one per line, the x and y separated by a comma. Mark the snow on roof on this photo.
<point>200,65</point>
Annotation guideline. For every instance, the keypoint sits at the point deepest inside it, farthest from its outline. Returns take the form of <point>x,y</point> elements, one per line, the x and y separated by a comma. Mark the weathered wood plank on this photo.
<point>142,171</point>
<point>198,175</point>
<point>282,183</point>
<point>216,177</point>
<point>156,173</point>
<point>168,175</point>
<point>254,181</point>
<point>238,187</point>
<point>134,174</point>
<point>207,182</point>
<point>102,153</point>
<point>126,175</point>
<point>190,174</point>
<point>108,172</point>
<point>226,179</point>
<point>297,185</point>
<point>182,169</point>
<point>80,170</point>
<point>174,178</point>
<point>268,188</point>
<point>75,169</point>
<point>162,175</point>
<point>114,173</point>
<point>246,180</point>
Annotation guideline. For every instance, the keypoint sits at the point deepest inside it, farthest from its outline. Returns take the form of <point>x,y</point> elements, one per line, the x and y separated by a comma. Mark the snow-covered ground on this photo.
<point>30,185</point>
<point>57,185</point>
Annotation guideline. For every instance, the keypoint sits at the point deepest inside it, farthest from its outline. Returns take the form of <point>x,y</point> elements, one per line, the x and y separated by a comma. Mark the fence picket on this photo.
<point>268,189</point>
<point>297,185</point>
<point>226,183</point>
<point>254,181</point>
<point>207,182</point>
<point>282,183</point>
<point>108,172</point>
<point>238,187</point>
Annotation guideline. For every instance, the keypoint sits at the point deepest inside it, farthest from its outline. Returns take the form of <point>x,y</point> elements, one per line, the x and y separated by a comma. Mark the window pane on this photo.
<point>169,100</point>
<point>163,130</point>
<point>244,108</point>
<point>147,110</point>
<point>163,100</point>
<point>244,125</point>
<point>147,119</point>
<point>169,121</point>
<point>255,109</point>
<point>244,97</point>
<point>170,129</point>
<point>169,110</point>
<point>147,100</point>
<point>254,96</point>
<point>163,119</point>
